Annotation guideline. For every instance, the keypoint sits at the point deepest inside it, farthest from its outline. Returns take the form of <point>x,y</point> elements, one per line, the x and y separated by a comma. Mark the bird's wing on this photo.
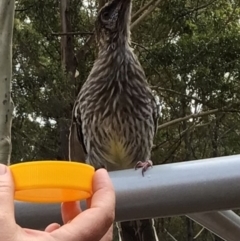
<point>77,149</point>
<point>155,113</point>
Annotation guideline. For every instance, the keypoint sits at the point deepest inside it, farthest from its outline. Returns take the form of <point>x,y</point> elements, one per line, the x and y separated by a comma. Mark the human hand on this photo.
<point>90,225</point>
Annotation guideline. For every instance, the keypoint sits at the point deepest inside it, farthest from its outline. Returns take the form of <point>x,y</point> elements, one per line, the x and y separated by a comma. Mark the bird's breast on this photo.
<point>117,140</point>
<point>117,123</point>
<point>120,140</point>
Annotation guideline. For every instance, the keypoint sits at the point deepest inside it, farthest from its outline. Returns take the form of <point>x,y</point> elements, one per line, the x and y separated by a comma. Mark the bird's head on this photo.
<point>112,23</point>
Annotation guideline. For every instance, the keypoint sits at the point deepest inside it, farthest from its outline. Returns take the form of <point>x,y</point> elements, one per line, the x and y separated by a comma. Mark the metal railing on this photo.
<point>188,188</point>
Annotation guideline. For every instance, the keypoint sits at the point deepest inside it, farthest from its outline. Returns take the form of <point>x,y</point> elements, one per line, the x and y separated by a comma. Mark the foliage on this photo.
<point>190,51</point>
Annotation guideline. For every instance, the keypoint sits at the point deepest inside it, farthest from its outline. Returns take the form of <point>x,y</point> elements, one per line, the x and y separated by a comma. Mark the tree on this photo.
<point>190,51</point>
<point>6,106</point>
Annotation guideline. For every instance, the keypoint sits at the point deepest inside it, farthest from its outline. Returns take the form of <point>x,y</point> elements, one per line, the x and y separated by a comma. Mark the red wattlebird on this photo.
<point>115,115</point>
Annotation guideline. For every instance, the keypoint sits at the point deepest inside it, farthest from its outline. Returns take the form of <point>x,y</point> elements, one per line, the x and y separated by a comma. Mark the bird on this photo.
<point>115,115</point>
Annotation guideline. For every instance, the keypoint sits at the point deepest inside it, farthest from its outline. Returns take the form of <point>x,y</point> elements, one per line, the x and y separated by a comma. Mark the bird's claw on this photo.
<point>144,165</point>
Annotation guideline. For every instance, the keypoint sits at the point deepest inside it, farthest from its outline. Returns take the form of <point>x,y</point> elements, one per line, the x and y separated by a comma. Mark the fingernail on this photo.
<point>3,169</point>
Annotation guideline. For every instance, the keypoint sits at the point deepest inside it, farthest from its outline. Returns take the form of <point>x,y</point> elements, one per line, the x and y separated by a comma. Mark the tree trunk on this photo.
<point>187,147</point>
<point>189,223</point>
<point>6,104</point>
<point>69,65</point>
<point>64,133</point>
<point>215,153</point>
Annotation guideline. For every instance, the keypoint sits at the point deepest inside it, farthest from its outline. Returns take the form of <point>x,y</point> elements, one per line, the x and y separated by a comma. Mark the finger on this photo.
<point>109,235</point>
<point>103,190</point>
<point>7,221</point>
<point>69,211</point>
<point>93,223</point>
<point>89,200</point>
<point>52,227</point>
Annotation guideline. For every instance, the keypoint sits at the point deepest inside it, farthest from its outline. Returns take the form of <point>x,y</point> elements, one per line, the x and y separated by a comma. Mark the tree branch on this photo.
<point>141,10</point>
<point>145,14</point>
<point>190,128</point>
<point>194,10</point>
<point>196,115</point>
<point>209,42</point>
<point>178,93</point>
<point>170,235</point>
<point>72,33</point>
<point>199,233</point>
<point>134,24</point>
<point>24,9</point>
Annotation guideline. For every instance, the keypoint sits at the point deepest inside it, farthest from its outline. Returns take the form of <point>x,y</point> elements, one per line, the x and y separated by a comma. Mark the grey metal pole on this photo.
<point>225,224</point>
<point>179,188</point>
<point>165,190</point>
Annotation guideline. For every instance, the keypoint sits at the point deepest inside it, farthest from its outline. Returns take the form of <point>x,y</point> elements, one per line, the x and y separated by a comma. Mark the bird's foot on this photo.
<point>144,165</point>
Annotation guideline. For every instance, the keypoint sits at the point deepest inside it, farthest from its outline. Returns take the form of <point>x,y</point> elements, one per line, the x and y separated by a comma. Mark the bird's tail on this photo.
<point>139,230</point>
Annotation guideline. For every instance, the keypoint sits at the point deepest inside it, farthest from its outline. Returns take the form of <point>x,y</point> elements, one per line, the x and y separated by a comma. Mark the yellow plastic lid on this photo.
<point>52,181</point>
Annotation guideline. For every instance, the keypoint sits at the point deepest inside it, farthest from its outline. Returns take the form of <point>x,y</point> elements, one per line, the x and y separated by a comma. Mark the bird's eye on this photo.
<point>105,15</point>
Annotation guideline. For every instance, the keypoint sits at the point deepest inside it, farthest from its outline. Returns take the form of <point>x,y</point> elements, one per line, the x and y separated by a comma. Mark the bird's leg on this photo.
<point>144,165</point>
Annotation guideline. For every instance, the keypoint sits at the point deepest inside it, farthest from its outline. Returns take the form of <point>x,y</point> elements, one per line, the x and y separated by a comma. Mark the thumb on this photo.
<point>6,199</point>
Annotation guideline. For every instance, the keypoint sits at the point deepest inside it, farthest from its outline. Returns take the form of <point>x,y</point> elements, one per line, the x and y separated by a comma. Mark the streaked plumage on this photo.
<point>115,113</point>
